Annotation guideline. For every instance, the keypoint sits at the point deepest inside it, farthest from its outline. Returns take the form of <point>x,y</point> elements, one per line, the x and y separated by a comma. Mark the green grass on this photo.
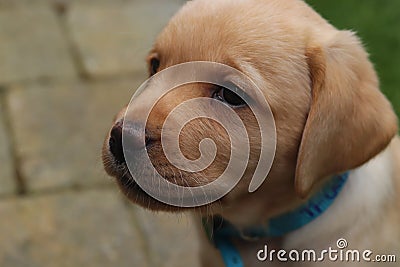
<point>377,22</point>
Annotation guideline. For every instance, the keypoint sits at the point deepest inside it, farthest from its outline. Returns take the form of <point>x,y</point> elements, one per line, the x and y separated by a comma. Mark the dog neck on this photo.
<point>370,187</point>
<point>367,188</point>
<point>220,232</point>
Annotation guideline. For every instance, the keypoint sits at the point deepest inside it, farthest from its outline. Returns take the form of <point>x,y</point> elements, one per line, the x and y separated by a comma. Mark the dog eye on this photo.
<point>229,97</point>
<point>154,65</point>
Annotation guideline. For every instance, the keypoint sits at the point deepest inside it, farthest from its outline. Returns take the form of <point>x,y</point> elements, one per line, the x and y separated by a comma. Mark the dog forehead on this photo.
<point>222,30</point>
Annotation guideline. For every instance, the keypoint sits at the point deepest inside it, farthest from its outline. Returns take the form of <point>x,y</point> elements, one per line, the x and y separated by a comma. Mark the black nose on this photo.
<point>115,143</point>
<point>134,141</point>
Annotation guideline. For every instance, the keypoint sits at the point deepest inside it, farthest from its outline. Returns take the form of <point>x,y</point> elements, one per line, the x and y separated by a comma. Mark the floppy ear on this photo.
<point>350,120</point>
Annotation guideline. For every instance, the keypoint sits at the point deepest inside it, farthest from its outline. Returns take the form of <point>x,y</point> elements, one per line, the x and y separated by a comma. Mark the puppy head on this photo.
<point>323,92</point>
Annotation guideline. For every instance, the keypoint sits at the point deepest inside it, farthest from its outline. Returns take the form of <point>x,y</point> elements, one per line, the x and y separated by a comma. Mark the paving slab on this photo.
<point>59,130</point>
<point>32,44</point>
<point>90,228</point>
<point>172,239</point>
<point>7,182</point>
<point>4,4</point>
<point>17,3</point>
<point>115,38</point>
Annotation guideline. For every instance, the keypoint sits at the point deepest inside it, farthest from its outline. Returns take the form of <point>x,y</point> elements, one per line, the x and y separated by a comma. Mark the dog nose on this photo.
<point>115,143</point>
<point>134,139</point>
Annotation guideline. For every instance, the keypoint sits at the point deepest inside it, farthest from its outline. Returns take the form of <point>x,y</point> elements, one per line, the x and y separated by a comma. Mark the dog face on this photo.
<point>323,92</point>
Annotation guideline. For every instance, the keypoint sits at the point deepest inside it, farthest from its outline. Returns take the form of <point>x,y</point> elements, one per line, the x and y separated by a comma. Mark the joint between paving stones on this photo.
<point>20,184</point>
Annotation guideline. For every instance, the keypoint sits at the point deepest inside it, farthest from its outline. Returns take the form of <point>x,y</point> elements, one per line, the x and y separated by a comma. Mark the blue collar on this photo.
<point>220,232</point>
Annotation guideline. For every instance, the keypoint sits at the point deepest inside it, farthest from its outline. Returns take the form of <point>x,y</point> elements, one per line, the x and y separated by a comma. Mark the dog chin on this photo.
<point>138,196</point>
<point>131,189</point>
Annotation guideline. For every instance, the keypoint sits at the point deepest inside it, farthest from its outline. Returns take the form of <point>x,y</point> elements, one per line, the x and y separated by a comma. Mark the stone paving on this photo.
<point>66,67</point>
<point>7,186</point>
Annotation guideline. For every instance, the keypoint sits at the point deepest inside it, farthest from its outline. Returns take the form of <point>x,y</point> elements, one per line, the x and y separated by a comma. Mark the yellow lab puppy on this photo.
<point>335,180</point>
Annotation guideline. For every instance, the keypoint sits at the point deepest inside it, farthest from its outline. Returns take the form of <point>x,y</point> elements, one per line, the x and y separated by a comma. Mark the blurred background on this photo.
<point>66,67</point>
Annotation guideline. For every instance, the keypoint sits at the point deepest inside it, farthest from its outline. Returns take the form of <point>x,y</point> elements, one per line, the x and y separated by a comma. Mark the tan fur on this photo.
<point>363,122</point>
<point>329,113</point>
